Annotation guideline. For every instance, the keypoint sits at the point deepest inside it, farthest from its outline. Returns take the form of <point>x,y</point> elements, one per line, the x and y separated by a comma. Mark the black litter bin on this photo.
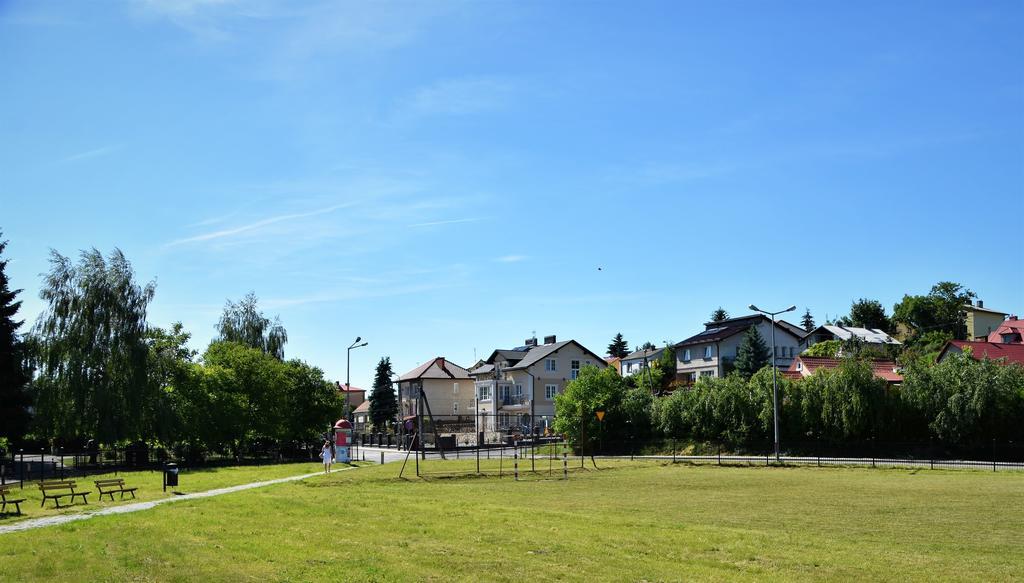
<point>170,476</point>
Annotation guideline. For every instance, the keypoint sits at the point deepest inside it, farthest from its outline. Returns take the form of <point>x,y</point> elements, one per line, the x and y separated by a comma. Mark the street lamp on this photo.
<point>348,371</point>
<point>775,384</point>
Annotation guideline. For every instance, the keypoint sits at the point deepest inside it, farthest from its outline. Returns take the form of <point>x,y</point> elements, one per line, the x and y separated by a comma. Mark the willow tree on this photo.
<point>89,349</point>
<point>242,322</point>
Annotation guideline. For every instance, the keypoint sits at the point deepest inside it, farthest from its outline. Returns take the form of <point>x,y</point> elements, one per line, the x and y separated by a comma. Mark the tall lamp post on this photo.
<point>775,372</point>
<point>348,373</point>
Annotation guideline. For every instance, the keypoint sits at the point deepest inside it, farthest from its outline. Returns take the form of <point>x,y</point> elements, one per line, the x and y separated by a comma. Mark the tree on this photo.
<point>753,354</point>
<point>865,313</point>
<point>577,406</point>
<point>89,350</point>
<point>618,348</point>
<point>383,403</point>
<point>719,315</point>
<point>168,366</point>
<point>941,310</point>
<point>255,386</point>
<point>808,321</point>
<point>311,402</point>
<point>647,346</point>
<point>243,322</point>
<point>14,375</point>
<point>825,349</point>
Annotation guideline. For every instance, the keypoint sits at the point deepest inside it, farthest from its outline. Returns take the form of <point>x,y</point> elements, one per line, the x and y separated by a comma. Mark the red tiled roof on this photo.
<point>990,350</point>
<point>883,369</point>
<point>1013,326</point>
<point>342,389</point>
<point>792,374</point>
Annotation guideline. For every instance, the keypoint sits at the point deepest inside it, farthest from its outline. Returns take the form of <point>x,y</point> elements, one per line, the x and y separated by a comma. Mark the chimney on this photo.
<point>531,342</point>
<point>981,304</point>
<point>549,339</point>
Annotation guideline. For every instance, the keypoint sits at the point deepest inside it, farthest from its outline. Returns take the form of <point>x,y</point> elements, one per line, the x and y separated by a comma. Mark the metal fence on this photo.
<point>33,465</point>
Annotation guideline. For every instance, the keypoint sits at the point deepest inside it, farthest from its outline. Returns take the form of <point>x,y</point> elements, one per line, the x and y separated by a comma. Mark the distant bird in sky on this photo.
<point>599,269</point>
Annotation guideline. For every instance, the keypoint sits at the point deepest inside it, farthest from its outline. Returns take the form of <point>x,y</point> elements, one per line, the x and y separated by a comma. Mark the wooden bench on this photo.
<point>57,490</point>
<point>5,491</point>
<point>111,487</point>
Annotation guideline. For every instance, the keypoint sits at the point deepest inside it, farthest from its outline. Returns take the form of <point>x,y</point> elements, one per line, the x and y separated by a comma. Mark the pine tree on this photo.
<point>14,377</point>
<point>808,320</point>
<point>383,403</point>
<point>719,315</point>
<point>619,348</point>
<point>753,354</point>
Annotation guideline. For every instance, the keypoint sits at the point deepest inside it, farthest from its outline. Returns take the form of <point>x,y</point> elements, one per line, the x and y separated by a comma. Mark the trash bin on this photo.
<point>170,475</point>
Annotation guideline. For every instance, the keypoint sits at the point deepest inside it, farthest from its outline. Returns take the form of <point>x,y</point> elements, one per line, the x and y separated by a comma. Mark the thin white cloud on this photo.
<point>455,97</point>
<point>511,258</point>
<point>90,154</point>
<point>448,222</point>
<point>251,227</point>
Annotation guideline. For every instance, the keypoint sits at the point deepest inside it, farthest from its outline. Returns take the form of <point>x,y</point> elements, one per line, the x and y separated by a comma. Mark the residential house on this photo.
<point>1011,331</point>
<point>981,321</point>
<point>517,387</point>
<point>870,336</point>
<point>614,362</point>
<point>1005,353</point>
<point>805,366</point>
<point>447,387</point>
<point>638,360</point>
<point>361,415</point>
<point>712,352</point>
<point>353,396</point>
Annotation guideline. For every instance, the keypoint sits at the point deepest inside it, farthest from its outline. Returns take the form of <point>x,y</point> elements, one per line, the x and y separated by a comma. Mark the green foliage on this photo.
<point>725,409</point>
<point>826,349</point>
<point>593,390</point>
<point>618,348</point>
<point>753,354</point>
<point>168,366</point>
<point>807,321</point>
<point>311,403</point>
<point>90,351</point>
<point>14,374</point>
<point>647,346</point>
<point>966,401</point>
<point>719,315</point>
<point>845,403</point>
<point>383,402</point>
<point>941,310</point>
<point>243,322</point>
<point>865,313</point>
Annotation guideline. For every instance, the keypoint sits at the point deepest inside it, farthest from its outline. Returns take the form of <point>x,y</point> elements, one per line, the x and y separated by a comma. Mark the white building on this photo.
<point>712,352</point>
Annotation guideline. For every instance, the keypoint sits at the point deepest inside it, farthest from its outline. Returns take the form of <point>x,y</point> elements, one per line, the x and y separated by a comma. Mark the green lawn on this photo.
<point>150,487</point>
<point>626,522</point>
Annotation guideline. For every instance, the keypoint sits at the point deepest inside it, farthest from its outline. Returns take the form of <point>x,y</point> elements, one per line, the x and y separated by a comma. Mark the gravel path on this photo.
<point>138,506</point>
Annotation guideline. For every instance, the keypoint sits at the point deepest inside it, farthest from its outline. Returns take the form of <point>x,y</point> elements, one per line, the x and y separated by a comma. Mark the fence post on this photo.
<point>515,458</point>
<point>673,451</point>
<point>382,458</point>
<point>21,474</point>
<point>993,455</point>
<point>565,460</point>
<point>60,454</point>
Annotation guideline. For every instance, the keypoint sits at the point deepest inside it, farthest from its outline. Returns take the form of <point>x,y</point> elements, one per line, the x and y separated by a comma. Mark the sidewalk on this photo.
<point>139,506</point>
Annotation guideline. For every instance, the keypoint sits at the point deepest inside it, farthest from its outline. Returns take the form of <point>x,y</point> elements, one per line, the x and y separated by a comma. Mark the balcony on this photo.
<point>511,400</point>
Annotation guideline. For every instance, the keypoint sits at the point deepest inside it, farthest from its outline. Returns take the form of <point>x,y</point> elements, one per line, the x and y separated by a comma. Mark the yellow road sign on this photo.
<point>600,415</point>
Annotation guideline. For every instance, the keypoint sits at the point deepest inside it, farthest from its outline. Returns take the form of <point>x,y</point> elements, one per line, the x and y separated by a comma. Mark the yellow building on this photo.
<point>982,321</point>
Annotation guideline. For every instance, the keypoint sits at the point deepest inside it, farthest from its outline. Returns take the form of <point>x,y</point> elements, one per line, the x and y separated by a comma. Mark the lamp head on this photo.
<point>358,338</point>
<point>789,309</point>
<point>753,307</point>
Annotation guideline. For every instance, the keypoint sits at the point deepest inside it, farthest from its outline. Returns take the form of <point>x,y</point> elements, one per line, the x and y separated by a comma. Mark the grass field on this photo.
<point>627,522</point>
<point>150,487</point>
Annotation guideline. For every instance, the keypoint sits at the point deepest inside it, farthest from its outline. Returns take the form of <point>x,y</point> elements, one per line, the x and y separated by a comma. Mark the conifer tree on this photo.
<point>619,348</point>
<point>383,404</point>
<point>719,315</point>
<point>14,377</point>
<point>808,321</point>
<point>753,353</point>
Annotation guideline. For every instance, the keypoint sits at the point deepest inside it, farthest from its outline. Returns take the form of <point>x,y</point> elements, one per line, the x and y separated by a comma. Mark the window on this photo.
<point>455,408</point>
<point>503,391</point>
<point>550,391</point>
<point>574,371</point>
<point>485,394</point>
<point>799,365</point>
<point>455,388</point>
<point>707,373</point>
<point>550,365</point>
<point>686,355</point>
<point>518,391</point>
<point>707,352</point>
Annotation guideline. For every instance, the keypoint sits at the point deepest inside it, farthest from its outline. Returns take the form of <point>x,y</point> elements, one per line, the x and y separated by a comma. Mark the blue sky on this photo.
<point>445,178</point>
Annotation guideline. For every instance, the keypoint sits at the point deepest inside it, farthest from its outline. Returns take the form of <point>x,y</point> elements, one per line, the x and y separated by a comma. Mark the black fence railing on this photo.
<point>34,465</point>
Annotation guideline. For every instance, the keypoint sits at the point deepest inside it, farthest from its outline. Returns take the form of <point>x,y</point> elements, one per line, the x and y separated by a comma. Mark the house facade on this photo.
<point>636,362</point>
<point>447,387</point>
<point>711,353</point>
<point>517,387</point>
<point>1010,331</point>
<point>982,321</point>
<point>1004,353</point>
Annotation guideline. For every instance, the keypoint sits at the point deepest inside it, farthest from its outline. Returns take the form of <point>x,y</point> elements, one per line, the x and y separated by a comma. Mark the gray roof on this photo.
<point>650,354</point>
<point>540,352</point>
<point>869,335</point>
<point>717,331</point>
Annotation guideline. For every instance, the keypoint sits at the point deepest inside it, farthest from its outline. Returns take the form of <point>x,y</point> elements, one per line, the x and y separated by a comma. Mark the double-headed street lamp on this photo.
<point>775,384</point>
<point>348,371</point>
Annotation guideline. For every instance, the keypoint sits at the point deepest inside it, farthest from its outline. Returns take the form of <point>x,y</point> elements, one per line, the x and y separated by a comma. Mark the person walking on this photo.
<point>327,453</point>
